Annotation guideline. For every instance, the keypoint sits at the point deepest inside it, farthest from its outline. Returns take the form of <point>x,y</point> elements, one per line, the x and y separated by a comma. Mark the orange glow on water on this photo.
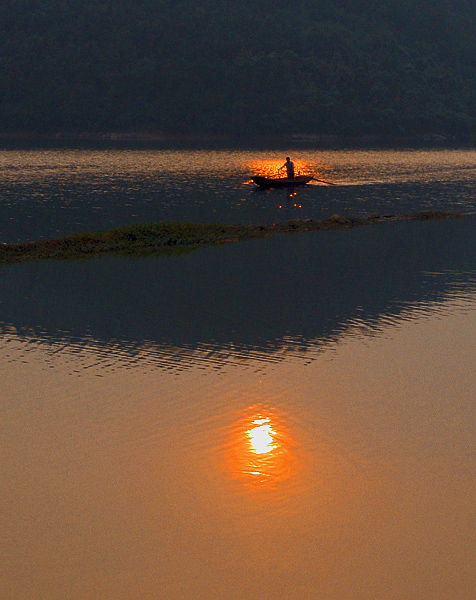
<point>262,436</point>
<point>261,448</point>
<point>272,168</point>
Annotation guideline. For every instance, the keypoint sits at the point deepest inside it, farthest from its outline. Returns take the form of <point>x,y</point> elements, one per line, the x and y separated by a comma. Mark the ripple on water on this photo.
<point>87,354</point>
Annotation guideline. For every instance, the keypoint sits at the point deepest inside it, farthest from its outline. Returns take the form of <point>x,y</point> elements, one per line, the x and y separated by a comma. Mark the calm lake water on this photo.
<point>283,418</point>
<point>53,192</point>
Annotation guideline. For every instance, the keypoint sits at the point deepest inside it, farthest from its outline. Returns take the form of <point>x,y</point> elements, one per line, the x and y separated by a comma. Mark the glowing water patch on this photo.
<point>261,451</point>
<point>262,436</point>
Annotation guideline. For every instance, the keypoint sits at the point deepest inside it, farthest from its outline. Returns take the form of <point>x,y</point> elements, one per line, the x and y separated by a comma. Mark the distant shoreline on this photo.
<point>161,137</point>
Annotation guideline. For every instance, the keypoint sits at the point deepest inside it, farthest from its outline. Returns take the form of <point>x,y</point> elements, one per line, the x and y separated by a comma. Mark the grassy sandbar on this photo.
<point>172,237</point>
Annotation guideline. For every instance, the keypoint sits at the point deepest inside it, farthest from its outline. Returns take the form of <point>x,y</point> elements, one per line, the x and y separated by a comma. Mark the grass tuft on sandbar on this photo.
<point>151,239</point>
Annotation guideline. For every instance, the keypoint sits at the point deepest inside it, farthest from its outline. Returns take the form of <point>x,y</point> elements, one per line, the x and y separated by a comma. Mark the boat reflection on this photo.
<point>291,207</point>
<point>261,451</point>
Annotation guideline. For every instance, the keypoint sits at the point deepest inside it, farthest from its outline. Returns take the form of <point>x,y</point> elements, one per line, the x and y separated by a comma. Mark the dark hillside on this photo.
<point>398,67</point>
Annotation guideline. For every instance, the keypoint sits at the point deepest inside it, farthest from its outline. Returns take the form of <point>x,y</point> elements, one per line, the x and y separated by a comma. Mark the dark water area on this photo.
<point>267,297</point>
<point>288,291</point>
<point>283,294</point>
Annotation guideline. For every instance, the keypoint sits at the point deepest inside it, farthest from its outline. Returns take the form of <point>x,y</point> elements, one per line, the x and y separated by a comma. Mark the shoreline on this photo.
<point>138,137</point>
<point>166,238</point>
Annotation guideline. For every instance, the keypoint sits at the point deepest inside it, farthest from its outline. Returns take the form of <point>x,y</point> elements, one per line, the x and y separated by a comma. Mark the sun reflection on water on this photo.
<point>273,168</point>
<point>262,436</point>
<point>261,448</point>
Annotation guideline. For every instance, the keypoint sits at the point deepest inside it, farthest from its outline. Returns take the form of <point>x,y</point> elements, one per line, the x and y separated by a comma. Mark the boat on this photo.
<point>266,183</point>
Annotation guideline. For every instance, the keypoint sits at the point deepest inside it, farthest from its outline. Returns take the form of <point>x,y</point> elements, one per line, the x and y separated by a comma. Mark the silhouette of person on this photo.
<point>289,165</point>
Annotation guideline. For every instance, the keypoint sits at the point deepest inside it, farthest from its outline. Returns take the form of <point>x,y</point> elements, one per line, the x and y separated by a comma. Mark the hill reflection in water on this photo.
<point>262,300</point>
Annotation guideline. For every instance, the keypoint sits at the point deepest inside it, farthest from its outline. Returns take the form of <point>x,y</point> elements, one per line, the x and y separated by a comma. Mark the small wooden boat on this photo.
<point>266,183</point>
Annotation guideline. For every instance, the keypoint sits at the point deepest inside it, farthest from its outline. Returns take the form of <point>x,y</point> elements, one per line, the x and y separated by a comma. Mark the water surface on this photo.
<point>47,193</point>
<point>284,418</point>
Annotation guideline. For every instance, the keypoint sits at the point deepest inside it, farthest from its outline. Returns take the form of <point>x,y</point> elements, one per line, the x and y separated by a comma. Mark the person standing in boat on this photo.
<point>289,165</point>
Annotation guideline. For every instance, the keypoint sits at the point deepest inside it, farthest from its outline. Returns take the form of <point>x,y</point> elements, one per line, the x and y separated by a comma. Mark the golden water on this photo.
<point>347,476</point>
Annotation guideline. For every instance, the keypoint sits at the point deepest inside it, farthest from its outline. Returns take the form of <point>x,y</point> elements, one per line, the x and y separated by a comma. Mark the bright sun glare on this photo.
<point>262,436</point>
<point>260,448</point>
